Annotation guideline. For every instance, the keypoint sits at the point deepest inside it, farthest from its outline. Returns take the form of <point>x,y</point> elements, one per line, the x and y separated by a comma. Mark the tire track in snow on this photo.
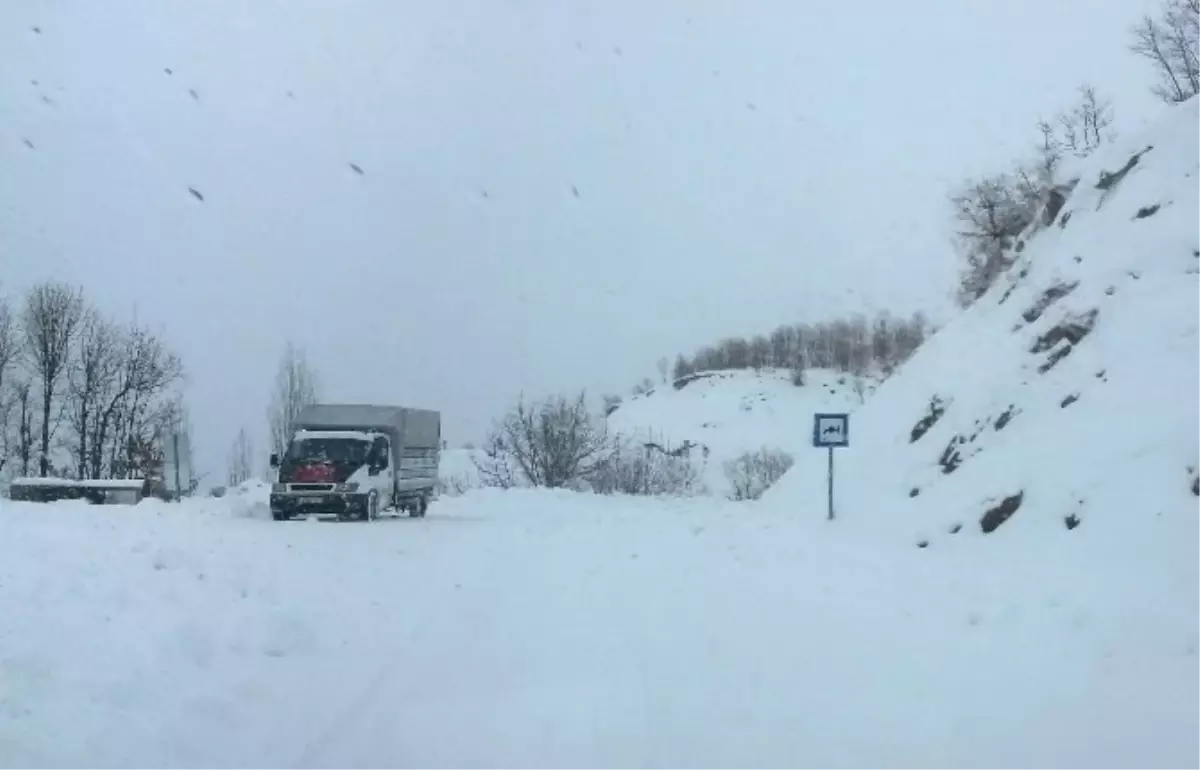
<point>435,607</point>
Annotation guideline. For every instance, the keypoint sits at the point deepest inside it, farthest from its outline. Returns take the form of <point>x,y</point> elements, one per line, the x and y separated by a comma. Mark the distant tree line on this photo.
<point>81,395</point>
<point>856,345</point>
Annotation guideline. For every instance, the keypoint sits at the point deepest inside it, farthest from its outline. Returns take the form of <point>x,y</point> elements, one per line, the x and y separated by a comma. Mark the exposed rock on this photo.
<point>937,408</point>
<point>1054,204</point>
<point>1108,181</point>
<point>1006,416</point>
<point>951,458</point>
<point>1055,356</point>
<point>1063,337</point>
<point>1000,513</point>
<point>1073,330</point>
<point>1048,298</point>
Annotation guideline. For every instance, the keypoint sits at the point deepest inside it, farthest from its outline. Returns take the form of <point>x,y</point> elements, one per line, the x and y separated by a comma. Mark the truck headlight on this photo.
<point>350,486</point>
<point>278,489</point>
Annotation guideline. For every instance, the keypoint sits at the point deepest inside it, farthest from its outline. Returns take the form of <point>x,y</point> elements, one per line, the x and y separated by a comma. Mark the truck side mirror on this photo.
<point>274,460</point>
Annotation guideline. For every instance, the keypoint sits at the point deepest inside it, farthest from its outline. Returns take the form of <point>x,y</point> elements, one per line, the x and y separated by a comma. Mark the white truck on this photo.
<point>358,460</point>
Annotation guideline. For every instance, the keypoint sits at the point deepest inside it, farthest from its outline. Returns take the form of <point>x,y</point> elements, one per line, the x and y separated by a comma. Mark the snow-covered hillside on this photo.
<point>730,413</point>
<point>1068,394</point>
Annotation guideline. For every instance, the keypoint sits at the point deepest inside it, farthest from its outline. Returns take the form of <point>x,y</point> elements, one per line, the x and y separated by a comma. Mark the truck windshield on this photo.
<point>339,451</point>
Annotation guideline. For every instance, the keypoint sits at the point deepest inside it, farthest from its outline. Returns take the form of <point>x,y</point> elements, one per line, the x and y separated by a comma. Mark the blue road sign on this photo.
<point>831,430</point>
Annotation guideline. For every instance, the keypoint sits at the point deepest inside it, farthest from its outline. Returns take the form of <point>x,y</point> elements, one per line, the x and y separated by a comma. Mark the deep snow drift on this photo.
<point>1071,386</point>
<point>730,413</point>
<point>535,628</point>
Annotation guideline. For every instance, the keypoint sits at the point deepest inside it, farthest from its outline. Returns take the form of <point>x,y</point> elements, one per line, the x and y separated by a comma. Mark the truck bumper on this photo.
<point>296,504</point>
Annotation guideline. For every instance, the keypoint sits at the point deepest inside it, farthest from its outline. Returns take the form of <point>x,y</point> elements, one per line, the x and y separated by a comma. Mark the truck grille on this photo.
<point>310,487</point>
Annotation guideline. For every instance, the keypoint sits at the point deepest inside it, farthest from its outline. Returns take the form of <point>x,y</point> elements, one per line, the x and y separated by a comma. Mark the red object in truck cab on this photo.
<point>315,472</point>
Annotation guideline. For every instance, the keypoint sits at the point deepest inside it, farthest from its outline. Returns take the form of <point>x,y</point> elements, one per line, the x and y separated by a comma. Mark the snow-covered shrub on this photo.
<point>647,469</point>
<point>554,443</point>
<point>453,485</point>
<point>754,472</point>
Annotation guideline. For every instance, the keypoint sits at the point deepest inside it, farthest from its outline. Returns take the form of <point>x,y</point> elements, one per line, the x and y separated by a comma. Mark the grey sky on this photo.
<point>555,194</point>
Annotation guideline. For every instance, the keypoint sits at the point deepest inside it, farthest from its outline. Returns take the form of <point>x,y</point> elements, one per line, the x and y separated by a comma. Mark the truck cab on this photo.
<point>355,461</point>
<point>347,473</point>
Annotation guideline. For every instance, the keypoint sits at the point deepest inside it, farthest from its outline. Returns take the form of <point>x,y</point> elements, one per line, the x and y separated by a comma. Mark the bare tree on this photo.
<point>170,434</point>
<point>990,213</point>
<point>241,459</point>
<point>1083,128</point>
<point>295,388</point>
<point>754,472</point>
<point>1170,44</point>
<point>554,443</point>
<point>146,371</point>
<point>497,466</point>
<point>51,324</point>
<point>24,406</point>
<point>664,368</point>
<point>760,352</point>
<point>91,376</point>
<point>8,354</point>
<point>682,367</point>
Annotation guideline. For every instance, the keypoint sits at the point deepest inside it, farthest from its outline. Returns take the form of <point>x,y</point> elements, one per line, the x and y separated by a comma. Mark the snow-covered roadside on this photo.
<point>549,628</point>
<point>726,414</point>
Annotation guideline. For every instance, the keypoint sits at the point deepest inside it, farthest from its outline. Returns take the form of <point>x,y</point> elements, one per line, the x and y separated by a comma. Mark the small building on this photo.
<point>98,491</point>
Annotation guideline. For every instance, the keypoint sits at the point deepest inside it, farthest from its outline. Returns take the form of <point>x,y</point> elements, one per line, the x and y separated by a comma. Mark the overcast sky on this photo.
<point>554,194</point>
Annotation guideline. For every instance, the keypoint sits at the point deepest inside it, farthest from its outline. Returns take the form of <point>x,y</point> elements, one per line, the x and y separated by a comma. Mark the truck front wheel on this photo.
<point>420,506</point>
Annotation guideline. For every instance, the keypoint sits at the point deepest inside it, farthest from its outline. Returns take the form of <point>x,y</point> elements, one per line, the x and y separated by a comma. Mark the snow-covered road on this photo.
<point>554,629</point>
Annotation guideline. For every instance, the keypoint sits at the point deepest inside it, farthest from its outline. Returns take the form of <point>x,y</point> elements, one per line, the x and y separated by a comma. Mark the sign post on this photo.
<point>829,432</point>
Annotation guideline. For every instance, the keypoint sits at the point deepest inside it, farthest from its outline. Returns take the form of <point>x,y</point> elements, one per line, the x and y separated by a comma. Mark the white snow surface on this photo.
<point>1122,457</point>
<point>734,412</point>
<point>539,628</point>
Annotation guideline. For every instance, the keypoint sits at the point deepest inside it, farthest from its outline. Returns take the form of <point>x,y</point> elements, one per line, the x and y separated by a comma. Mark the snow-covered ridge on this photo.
<point>727,413</point>
<point>1066,396</point>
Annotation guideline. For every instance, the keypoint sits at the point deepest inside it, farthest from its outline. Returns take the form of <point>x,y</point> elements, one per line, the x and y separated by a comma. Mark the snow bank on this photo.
<point>457,472</point>
<point>1072,384</point>
<point>731,413</point>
